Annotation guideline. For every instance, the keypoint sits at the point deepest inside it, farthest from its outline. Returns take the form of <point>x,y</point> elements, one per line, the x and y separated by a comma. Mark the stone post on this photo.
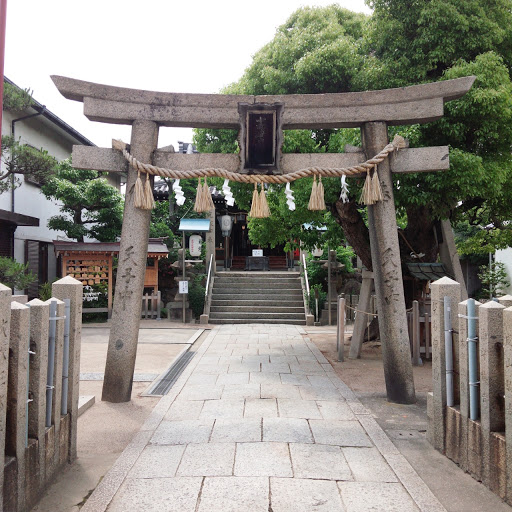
<point>507,347</point>
<point>389,288</point>
<point>17,394</point>
<point>72,289</point>
<point>124,331</point>
<point>492,416</point>
<point>5,323</point>
<point>464,381</point>
<point>360,321</point>
<point>444,287</point>
<point>506,300</point>
<point>39,325</point>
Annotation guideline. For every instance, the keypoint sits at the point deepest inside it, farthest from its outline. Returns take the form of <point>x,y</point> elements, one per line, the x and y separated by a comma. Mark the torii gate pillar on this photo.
<point>387,272</point>
<point>133,252</point>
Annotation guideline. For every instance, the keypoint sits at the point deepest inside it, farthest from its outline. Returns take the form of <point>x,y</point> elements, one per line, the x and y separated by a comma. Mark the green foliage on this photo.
<point>98,293</point>
<point>91,206</point>
<point>15,275</point>
<point>316,50</point>
<point>25,160</point>
<point>416,41</point>
<point>494,279</point>
<point>45,290</point>
<point>16,99</point>
<point>217,141</point>
<point>316,292</point>
<point>317,274</point>
<point>322,50</point>
<point>196,293</point>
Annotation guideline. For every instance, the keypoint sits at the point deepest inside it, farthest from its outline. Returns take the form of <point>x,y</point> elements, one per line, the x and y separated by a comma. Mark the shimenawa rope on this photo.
<point>371,191</point>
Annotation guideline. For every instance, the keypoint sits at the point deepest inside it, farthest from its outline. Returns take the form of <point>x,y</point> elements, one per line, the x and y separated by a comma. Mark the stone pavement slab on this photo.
<point>257,422</point>
<point>263,459</point>
<point>235,494</point>
<point>365,496</point>
<point>157,495</point>
<point>243,430</point>
<point>300,495</point>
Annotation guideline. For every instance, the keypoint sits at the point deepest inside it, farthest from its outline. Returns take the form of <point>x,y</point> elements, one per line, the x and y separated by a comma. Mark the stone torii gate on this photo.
<point>372,111</point>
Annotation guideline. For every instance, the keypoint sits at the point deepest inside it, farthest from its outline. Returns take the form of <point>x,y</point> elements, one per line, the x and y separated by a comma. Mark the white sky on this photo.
<point>195,46</point>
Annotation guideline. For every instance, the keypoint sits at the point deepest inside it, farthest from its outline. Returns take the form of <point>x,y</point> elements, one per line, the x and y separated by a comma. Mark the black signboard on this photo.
<point>261,139</point>
<point>260,136</point>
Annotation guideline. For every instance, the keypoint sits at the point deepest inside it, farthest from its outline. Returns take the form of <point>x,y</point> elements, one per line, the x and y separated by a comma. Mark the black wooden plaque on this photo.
<point>260,136</point>
<point>261,139</point>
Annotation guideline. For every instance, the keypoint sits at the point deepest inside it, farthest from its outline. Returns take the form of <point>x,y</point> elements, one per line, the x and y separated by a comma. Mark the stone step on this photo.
<point>277,295</point>
<point>252,321</point>
<point>285,309</point>
<point>269,303</point>
<point>257,280</point>
<point>270,274</point>
<point>258,316</point>
<point>254,288</point>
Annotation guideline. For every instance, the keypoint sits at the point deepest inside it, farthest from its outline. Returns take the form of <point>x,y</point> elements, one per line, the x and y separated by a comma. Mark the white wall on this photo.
<point>38,132</point>
<point>505,256</point>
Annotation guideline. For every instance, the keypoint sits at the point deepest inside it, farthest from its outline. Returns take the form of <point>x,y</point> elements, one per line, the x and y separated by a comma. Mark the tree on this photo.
<point>90,206</point>
<point>403,43</point>
<point>25,160</point>
<point>20,159</point>
<point>15,275</point>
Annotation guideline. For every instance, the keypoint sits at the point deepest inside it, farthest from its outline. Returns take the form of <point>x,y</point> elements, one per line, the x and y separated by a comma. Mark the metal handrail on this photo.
<point>305,273</point>
<point>207,290</point>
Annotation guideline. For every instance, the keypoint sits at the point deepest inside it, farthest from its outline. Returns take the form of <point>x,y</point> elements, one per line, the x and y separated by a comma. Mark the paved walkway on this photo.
<point>260,422</point>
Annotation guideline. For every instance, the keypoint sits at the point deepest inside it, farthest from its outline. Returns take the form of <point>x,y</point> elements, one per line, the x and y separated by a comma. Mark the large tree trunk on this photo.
<point>356,232</point>
<point>417,238</point>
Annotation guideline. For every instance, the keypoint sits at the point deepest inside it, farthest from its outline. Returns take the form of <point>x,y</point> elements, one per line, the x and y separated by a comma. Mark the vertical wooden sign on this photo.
<point>260,136</point>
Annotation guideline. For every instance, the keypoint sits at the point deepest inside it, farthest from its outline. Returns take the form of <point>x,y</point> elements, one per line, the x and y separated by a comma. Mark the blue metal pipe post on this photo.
<point>448,348</point>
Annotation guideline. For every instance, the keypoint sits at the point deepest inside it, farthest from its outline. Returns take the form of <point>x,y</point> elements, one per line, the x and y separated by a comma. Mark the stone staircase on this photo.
<point>257,298</point>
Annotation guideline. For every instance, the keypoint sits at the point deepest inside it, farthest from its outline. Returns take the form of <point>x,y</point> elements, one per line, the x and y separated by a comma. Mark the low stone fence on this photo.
<point>39,377</point>
<point>470,408</point>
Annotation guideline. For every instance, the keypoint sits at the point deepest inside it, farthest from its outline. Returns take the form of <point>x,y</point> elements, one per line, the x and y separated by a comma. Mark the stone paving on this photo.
<point>259,421</point>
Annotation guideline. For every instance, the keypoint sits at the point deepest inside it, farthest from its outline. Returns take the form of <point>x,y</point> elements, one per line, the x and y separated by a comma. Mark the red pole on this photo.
<point>3,16</point>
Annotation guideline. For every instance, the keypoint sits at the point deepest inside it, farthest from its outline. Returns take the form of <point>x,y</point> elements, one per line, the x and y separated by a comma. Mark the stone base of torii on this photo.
<point>372,111</point>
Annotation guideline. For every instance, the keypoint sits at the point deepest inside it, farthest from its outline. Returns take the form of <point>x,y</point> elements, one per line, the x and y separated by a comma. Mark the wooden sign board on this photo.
<point>260,136</point>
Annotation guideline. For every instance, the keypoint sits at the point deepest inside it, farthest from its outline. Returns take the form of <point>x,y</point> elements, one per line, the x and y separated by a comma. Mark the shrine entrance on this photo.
<point>260,121</point>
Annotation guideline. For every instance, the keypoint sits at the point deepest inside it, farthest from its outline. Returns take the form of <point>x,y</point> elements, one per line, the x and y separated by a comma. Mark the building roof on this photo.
<point>38,107</point>
<point>18,218</point>
<point>428,271</point>
<point>156,247</point>
<point>196,225</point>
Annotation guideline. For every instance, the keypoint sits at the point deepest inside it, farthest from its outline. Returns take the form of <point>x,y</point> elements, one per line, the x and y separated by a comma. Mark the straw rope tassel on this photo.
<point>376,189</point>
<point>139,192</point>
<point>264,209</point>
<point>149,201</point>
<point>198,205</point>
<point>255,203</point>
<point>365,197</point>
<point>207,197</point>
<point>313,198</point>
<point>320,194</point>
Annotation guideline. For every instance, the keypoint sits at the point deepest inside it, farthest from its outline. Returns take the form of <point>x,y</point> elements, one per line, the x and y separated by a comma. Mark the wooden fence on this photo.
<point>39,377</point>
<point>420,333</point>
<point>151,306</point>
<point>470,408</point>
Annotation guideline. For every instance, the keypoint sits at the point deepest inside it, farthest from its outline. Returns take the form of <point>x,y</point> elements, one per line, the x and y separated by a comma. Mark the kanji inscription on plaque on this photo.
<point>260,136</point>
